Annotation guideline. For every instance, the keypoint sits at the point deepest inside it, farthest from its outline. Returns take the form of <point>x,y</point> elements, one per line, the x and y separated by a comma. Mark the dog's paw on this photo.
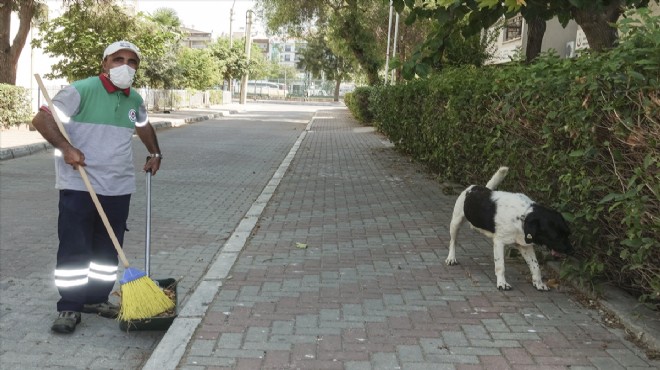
<point>451,261</point>
<point>503,286</point>
<point>539,285</point>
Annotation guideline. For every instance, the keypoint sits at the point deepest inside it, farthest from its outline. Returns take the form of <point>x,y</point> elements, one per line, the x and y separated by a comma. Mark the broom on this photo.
<point>141,298</point>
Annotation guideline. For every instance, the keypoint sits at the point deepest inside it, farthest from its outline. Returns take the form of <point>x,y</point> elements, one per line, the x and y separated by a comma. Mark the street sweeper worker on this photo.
<point>100,115</point>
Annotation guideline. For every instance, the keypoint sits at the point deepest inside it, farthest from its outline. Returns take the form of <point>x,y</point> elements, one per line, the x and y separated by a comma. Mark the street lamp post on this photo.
<point>248,44</point>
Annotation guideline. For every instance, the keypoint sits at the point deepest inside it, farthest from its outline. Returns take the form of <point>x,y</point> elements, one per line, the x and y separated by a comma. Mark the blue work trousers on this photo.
<point>86,258</point>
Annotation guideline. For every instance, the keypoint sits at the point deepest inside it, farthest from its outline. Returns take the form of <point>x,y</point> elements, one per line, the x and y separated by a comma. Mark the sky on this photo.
<point>204,15</point>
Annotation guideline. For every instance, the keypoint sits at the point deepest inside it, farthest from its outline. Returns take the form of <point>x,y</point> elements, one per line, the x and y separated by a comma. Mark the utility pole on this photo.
<point>387,53</point>
<point>396,35</point>
<point>248,44</point>
<point>231,44</point>
<point>231,22</point>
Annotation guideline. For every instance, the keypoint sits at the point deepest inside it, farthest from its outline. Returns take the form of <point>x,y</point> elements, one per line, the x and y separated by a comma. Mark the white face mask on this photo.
<point>122,76</point>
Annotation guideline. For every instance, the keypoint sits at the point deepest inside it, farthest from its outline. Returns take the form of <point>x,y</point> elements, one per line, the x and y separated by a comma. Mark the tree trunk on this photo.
<point>596,24</point>
<point>372,75</point>
<point>9,53</point>
<point>358,41</point>
<point>363,57</point>
<point>337,85</point>
<point>535,32</point>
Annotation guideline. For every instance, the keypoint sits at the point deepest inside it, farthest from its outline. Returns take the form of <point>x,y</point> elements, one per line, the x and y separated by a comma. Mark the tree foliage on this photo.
<point>596,17</point>
<point>360,31</point>
<point>470,17</point>
<point>200,70</point>
<point>230,57</point>
<point>167,17</point>
<point>160,69</point>
<point>357,24</point>
<point>293,18</point>
<point>29,11</point>
<point>259,67</point>
<point>79,37</point>
<point>14,106</point>
<point>318,58</point>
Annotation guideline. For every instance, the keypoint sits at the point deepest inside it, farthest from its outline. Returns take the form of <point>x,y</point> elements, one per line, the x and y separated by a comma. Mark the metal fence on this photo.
<point>161,99</point>
<point>158,99</point>
<point>284,89</point>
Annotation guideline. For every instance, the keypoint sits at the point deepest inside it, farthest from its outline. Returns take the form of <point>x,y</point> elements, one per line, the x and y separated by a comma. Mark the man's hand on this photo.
<point>152,165</point>
<point>147,134</point>
<point>74,157</point>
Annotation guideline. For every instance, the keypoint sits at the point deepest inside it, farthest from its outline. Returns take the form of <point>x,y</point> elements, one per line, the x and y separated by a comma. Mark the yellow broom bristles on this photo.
<point>142,299</point>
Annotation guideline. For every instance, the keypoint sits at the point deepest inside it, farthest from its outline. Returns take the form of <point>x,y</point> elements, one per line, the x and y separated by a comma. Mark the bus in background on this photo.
<point>263,90</point>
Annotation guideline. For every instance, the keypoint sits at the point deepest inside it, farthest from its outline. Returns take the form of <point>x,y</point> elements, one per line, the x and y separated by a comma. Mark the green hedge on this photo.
<point>358,103</point>
<point>14,106</point>
<point>216,97</point>
<point>580,135</point>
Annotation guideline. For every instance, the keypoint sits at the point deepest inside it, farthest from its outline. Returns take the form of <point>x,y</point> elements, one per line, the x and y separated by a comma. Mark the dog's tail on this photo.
<point>497,178</point>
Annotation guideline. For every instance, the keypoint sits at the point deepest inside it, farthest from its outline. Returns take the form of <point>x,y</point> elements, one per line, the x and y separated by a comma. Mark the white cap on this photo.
<point>121,45</point>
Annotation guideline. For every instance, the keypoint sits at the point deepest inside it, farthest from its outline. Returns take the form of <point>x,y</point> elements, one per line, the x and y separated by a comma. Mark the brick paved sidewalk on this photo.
<point>345,270</point>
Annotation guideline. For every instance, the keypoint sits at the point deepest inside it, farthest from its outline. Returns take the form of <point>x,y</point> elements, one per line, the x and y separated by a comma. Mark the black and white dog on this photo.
<point>509,218</point>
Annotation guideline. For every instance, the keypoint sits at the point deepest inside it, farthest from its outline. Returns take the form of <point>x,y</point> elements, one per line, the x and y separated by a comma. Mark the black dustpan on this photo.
<point>163,321</point>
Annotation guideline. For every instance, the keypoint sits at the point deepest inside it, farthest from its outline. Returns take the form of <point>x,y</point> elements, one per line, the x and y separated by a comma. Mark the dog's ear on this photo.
<point>531,227</point>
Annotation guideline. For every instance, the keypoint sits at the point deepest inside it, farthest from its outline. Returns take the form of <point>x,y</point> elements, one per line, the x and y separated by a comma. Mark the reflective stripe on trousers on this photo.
<point>65,278</point>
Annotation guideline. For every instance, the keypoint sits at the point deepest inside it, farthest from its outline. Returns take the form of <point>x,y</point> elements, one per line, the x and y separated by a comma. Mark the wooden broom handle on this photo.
<point>83,174</point>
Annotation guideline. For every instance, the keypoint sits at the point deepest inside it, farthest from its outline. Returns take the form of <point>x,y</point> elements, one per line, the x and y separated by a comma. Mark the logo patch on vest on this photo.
<point>132,115</point>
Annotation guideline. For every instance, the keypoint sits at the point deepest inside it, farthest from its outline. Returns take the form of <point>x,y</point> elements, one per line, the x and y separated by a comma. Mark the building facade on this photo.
<point>195,39</point>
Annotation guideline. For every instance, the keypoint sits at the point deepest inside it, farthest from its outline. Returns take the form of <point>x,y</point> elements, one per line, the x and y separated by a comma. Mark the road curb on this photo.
<point>29,149</point>
<point>637,320</point>
<point>22,151</point>
<point>176,122</point>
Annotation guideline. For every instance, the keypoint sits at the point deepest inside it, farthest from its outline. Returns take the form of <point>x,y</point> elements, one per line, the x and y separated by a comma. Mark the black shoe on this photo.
<point>103,309</point>
<point>66,322</point>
